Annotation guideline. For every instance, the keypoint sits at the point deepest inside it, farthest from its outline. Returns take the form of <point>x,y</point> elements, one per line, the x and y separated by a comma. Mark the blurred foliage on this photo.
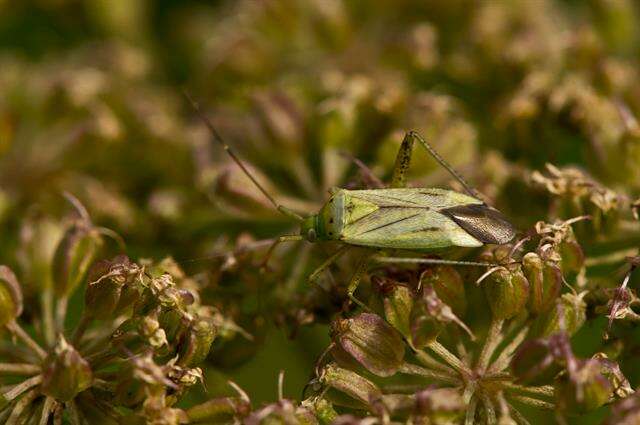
<point>535,102</point>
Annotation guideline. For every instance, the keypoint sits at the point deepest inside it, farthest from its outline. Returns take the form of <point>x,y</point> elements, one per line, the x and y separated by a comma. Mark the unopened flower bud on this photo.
<point>507,291</point>
<point>65,373</point>
<point>197,343</point>
<point>72,258</point>
<point>10,296</point>
<point>372,342</point>
<point>573,310</point>
<point>545,282</point>
<point>440,405</point>
<point>448,284</point>
<point>350,383</point>
<point>584,390</point>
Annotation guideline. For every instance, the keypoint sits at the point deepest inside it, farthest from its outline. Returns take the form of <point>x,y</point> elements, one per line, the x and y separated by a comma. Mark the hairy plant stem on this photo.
<point>540,404</point>
<point>19,369</point>
<point>471,412</point>
<point>47,409</point>
<point>505,356</point>
<point>428,361</point>
<point>491,342</point>
<point>21,406</point>
<point>17,330</point>
<point>411,369</point>
<point>489,409</point>
<point>546,390</point>
<point>449,357</point>
<point>22,387</point>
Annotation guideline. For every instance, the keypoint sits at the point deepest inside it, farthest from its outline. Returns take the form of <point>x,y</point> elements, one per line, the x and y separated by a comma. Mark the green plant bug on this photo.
<point>394,218</point>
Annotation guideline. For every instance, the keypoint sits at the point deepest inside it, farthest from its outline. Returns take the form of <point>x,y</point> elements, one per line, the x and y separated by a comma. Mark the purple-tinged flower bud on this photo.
<point>10,296</point>
<point>583,389</point>
<point>439,405</point>
<point>72,258</point>
<point>371,341</point>
<point>197,343</point>
<point>545,282</point>
<point>573,310</point>
<point>448,284</point>
<point>350,383</point>
<point>507,291</point>
<point>65,372</point>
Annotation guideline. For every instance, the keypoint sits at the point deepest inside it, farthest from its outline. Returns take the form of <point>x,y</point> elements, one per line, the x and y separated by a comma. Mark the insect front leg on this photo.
<point>403,161</point>
<point>270,251</point>
<point>326,263</point>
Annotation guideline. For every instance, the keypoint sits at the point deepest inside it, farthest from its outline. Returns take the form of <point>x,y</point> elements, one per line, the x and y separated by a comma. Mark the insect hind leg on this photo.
<point>361,269</point>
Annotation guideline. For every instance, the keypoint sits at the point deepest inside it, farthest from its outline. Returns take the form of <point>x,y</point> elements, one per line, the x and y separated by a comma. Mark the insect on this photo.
<point>396,218</point>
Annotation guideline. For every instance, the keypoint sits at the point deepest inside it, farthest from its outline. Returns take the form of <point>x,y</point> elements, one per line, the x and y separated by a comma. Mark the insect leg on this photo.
<point>283,238</point>
<point>361,269</point>
<point>403,160</point>
<point>326,263</point>
<point>418,260</point>
<point>471,191</point>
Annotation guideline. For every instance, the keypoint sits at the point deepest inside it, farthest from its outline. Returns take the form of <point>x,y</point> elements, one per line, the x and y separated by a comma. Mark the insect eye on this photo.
<point>311,235</point>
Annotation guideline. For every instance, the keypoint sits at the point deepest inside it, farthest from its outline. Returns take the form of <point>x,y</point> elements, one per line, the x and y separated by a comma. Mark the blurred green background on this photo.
<point>90,103</point>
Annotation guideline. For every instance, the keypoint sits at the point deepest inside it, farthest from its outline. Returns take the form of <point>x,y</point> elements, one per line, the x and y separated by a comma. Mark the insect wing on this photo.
<point>405,219</point>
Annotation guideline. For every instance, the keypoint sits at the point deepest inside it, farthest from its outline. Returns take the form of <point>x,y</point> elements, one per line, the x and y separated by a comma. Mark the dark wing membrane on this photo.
<point>482,222</point>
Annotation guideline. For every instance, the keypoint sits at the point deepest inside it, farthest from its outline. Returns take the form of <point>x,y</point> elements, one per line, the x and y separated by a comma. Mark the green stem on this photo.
<point>80,329</point>
<point>489,409</point>
<point>448,357</point>
<point>503,360</point>
<point>471,412</point>
<point>48,325</point>
<point>61,313</point>
<point>491,342</point>
<point>17,330</point>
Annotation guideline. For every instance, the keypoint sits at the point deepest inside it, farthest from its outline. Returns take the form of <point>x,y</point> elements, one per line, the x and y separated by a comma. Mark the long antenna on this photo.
<point>471,191</point>
<point>284,210</point>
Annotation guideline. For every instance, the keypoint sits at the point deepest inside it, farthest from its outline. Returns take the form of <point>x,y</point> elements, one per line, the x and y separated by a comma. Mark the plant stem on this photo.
<point>491,342</point>
<point>85,319</point>
<point>546,390</point>
<point>22,387</point>
<point>540,404</point>
<point>48,325</point>
<point>20,407</point>
<point>428,361</point>
<point>506,355</point>
<point>48,408</point>
<point>19,369</point>
<point>471,412</point>
<point>17,330</point>
<point>489,409</point>
<point>411,369</point>
<point>449,357</point>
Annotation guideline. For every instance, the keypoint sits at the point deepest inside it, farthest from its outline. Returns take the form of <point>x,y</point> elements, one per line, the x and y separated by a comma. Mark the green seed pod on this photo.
<point>10,296</point>
<point>197,343</point>
<point>587,390</point>
<point>65,372</point>
<point>322,409</point>
<point>350,383</point>
<point>448,284</point>
<point>371,341</point>
<point>573,309</point>
<point>507,291</point>
<point>545,282</point>
<point>397,302</point>
<point>72,258</point>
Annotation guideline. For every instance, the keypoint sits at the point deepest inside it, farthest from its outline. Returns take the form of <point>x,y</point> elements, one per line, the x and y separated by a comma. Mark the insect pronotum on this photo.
<point>414,219</point>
